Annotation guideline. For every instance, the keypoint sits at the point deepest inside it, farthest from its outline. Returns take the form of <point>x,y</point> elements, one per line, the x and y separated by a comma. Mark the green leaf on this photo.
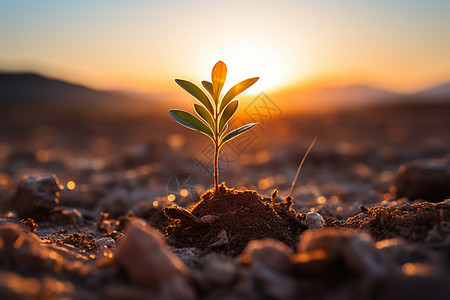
<point>204,114</point>
<point>218,76</point>
<point>236,90</point>
<point>196,92</point>
<point>228,112</point>
<point>190,121</point>
<point>209,87</point>
<point>234,133</point>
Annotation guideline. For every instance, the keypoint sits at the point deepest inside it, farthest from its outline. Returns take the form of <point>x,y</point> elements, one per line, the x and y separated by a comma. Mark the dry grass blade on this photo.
<point>301,164</point>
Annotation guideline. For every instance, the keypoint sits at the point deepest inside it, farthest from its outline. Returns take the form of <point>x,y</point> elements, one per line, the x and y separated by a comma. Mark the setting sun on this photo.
<point>249,59</point>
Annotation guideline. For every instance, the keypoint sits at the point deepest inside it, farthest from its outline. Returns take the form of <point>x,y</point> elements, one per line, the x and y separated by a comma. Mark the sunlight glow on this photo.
<point>253,59</point>
<point>184,193</point>
<point>71,185</point>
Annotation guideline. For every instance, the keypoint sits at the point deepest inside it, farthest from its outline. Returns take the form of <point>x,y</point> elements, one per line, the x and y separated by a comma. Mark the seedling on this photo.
<point>214,112</point>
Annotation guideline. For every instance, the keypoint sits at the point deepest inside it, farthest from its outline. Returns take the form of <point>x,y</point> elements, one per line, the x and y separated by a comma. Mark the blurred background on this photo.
<point>85,88</point>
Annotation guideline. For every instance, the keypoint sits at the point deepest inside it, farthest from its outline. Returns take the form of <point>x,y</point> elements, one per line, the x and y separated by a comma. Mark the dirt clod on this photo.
<point>243,215</point>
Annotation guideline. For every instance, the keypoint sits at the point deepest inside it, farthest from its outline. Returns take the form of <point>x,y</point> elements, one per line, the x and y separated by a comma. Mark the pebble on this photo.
<point>148,262</point>
<point>424,179</point>
<point>35,197</point>
<point>313,221</point>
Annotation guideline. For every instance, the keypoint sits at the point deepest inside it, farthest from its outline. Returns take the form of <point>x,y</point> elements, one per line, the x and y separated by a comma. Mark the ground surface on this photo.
<point>133,226</point>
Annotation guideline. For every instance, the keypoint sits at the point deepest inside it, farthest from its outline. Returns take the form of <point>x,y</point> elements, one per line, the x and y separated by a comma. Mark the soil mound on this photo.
<point>227,222</point>
<point>422,222</point>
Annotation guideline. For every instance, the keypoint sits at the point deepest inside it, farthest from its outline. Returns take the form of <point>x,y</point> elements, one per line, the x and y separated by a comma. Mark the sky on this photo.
<point>144,45</point>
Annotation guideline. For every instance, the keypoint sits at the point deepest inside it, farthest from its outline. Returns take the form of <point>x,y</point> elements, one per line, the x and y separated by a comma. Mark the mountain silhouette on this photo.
<point>31,93</point>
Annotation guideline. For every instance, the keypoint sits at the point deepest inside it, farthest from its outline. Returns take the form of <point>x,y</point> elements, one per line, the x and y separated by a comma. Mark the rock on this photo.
<point>222,239</point>
<point>28,225</point>
<point>322,249</point>
<point>106,242</point>
<point>270,268</point>
<point>148,262</point>
<point>14,286</point>
<point>313,221</point>
<point>23,252</point>
<point>35,197</point>
<point>66,216</point>
<point>208,219</point>
<point>427,179</point>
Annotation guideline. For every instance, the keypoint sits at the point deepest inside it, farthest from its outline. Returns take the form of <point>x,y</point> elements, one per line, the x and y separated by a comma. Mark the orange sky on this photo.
<point>144,45</point>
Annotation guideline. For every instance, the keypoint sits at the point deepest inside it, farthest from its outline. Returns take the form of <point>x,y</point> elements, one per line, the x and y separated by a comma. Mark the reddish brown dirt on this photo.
<point>409,221</point>
<point>79,240</point>
<point>244,215</point>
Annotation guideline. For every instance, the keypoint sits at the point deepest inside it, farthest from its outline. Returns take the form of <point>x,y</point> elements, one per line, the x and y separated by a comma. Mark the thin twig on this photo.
<point>301,164</point>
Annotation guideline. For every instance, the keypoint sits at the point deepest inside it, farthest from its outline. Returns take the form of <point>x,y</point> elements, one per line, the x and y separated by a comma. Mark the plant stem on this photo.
<point>216,169</point>
<point>216,150</point>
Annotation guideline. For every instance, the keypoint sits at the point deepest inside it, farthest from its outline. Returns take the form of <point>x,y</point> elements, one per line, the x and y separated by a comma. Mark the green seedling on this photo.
<point>214,111</point>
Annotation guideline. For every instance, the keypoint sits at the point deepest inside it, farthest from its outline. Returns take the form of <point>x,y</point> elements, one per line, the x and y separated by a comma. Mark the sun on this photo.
<point>245,60</point>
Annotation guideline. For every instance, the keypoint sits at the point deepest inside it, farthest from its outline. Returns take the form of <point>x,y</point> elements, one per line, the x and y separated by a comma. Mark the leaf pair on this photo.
<point>214,113</point>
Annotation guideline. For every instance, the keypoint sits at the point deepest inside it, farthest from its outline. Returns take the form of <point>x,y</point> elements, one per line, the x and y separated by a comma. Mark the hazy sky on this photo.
<point>400,45</point>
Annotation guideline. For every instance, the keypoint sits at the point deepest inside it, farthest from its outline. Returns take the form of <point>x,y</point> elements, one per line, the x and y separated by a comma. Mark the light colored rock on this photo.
<point>35,197</point>
<point>148,262</point>
<point>208,219</point>
<point>222,239</point>
<point>106,242</point>
<point>313,221</point>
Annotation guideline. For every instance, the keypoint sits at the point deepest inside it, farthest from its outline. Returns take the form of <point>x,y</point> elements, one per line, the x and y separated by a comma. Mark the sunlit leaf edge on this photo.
<point>190,121</point>
<point>228,113</point>
<point>236,132</point>
<point>197,92</point>
<point>203,113</point>
<point>236,90</point>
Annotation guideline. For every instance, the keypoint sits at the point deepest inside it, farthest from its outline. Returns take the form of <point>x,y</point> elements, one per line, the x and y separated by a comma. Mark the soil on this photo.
<point>241,216</point>
<point>412,222</point>
<point>132,227</point>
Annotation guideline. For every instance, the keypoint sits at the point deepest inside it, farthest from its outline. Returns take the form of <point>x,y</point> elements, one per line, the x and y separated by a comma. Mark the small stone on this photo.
<point>148,261</point>
<point>313,221</point>
<point>24,253</point>
<point>108,242</point>
<point>63,215</point>
<point>35,197</point>
<point>222,239</point>
<point>424,179</point>
<point>208,219</point>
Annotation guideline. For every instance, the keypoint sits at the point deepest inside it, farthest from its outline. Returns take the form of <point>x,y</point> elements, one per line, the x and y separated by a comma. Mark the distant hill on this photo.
<point>28,94</point>
<point>357,96</point>
<point>30,87</point>
<point>32,93</point>
<point>437,93</point>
